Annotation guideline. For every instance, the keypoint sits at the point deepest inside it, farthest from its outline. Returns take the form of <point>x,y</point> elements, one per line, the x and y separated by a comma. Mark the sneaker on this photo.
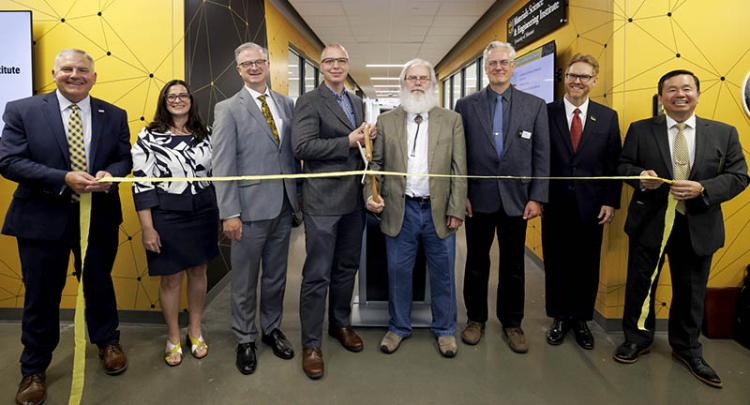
<point>390,342</point>
<point>447,346</point>
<point>516,339</point>
<point>472,332</point>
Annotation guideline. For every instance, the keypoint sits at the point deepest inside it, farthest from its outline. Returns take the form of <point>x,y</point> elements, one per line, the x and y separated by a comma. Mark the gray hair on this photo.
<point>70,52</point>
<point>418,62</point>
<point>331,46</point>
<point>498,44</point>
<point>246,46</point>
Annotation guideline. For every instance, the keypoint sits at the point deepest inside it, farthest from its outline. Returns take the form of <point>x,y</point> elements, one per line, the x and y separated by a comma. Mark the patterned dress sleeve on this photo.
<point>144,165</point>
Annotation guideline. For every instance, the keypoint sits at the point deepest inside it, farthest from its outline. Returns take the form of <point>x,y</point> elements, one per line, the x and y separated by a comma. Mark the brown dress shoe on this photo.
<point>472,334</point>
<point>348,338</point>
<point>32,390</point>
<point>312,363</point>
<point>516,339</point>
<point>113,359</point>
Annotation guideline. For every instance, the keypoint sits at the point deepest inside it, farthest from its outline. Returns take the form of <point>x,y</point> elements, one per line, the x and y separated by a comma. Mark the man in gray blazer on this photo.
<point>328,123</point>
<point>506,134</point>
<point>252,135</point>
<point>420,137</point>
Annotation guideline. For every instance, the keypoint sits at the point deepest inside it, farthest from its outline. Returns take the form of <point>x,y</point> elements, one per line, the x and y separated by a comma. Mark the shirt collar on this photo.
<point>690,122</point>
<point>256,94</point>
<point>570,107</point>
<point>492,95</point>
<point>337,95</point>
<point>84,105</point>
<point>410,116</point>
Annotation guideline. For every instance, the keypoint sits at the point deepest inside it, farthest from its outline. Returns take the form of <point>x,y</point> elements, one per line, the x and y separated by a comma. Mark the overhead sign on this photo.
<point>15,60</point>
<point>535,20</point>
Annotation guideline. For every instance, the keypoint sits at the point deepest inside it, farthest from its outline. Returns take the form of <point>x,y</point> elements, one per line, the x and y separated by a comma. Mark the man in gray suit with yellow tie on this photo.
<point>328,124</point>
<point>507,134</point>
<point>252,135</point>
<point>420,137</point>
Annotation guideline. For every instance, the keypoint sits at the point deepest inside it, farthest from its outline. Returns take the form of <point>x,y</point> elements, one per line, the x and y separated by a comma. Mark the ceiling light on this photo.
<point>387,86</point>
<point>384,78</point>
<point>375,65</point>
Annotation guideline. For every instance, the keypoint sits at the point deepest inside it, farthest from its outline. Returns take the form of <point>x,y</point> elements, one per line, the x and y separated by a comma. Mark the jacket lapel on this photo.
<point>247,100</point>
<point>330,102</point>
<point>54,119</point>
<point>482,111</point>
<point>561,121</point>
<point>402,138</point>
<point>435,122</point>
<point>98,118</point>
<point>701,147</point>
<point>282,116</point>
<point>659,129</point>
<point>590,123</point>
<point>513,124</point>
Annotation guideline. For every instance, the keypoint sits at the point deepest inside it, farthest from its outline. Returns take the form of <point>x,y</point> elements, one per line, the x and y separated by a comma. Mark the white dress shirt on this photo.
<point>271,105</point>
<point>84,111</point>
<point>417,186</point>
<point>570,112</point>
<point>688,132</point>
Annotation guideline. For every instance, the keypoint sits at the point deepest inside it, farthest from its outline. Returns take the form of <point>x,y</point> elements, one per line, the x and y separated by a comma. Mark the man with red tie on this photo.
<point>584,141</point>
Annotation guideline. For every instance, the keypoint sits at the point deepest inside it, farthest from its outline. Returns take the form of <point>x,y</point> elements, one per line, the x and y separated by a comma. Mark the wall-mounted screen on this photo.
<point>535,72</point>
<point>16,74</point>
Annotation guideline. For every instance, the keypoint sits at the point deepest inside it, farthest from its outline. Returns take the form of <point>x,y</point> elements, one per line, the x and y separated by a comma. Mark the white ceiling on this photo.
<point>390,31</point>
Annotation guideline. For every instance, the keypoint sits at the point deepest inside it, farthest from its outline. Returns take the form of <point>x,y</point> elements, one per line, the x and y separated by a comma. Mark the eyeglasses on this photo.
<point>332,61</point>
<point>583,78</point>
<point>415,79</point>
<point>504,63</point>
<point>255,63</point>
<point>174,97</point>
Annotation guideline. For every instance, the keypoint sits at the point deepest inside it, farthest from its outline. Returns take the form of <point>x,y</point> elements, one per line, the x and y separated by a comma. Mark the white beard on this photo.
<point>418,103</point>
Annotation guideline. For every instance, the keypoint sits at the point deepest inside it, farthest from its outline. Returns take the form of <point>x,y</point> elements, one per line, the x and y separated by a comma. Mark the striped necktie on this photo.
<point>681,158</point>
<point>269,118</point>
<point>76,147</point>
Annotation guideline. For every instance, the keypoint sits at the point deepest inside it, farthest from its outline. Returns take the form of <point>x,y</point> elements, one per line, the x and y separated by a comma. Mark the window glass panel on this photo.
<point>309,77</point>
<point>456,89</point>
<point>470,85</point>
<point>293,75</point>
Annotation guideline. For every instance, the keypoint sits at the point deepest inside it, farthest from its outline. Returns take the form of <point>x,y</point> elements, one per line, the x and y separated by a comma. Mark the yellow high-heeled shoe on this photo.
<point>196,346</point>
<point>173,354</point>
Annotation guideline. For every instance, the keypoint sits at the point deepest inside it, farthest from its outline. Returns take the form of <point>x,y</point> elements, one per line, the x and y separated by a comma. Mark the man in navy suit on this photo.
<point>57,146</point>
<point>506,134</point>
<point>584,141</point>
<point>705,159</point>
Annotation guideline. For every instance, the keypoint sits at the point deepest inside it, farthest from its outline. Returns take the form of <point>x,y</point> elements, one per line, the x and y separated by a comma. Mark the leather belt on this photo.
<point>421,200</point>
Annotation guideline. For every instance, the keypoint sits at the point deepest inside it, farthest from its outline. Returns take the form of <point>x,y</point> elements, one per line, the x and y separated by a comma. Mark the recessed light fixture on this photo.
<point>375,65</point>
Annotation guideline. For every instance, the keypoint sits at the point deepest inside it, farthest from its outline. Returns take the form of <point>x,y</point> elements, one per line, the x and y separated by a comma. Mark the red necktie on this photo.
<point>576,128</point>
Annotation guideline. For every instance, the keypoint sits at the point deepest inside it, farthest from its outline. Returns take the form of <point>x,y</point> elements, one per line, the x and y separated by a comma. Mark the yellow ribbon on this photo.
<point>79,354</point>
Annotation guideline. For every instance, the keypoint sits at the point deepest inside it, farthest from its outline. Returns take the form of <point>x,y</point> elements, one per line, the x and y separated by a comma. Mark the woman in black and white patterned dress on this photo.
<point>179,219</point>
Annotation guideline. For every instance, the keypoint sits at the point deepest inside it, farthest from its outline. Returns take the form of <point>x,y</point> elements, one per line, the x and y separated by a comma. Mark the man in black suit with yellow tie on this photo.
<point>584,141</point>
<point>57,146</point>
<point>705,159</point>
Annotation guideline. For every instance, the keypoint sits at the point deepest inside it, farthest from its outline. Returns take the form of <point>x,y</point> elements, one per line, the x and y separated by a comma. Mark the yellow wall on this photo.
<point>143,37</point>
<point>282,34</point>
<point>633,55</point>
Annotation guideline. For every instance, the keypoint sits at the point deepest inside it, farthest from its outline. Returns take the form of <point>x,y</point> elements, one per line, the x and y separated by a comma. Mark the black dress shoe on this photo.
<point>556,332</point>
<point>584,338</point>
<point>628,352</point>
<point>246,359</point>
<point>700,369</point>
<point>280,345</point>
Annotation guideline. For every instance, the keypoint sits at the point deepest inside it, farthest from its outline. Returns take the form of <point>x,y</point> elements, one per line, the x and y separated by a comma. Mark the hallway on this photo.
<point>488,373</point>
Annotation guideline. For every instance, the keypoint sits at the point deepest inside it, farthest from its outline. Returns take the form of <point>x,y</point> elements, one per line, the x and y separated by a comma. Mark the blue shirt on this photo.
<point>346,104</point>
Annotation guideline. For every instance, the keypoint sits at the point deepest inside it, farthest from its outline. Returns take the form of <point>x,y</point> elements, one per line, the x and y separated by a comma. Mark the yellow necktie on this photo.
<point>269,118</point>
<point>76,147</point>
<point>681,158</point>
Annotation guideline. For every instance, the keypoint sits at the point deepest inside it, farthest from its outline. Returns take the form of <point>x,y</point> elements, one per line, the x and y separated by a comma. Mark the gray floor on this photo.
<point>416,374</point>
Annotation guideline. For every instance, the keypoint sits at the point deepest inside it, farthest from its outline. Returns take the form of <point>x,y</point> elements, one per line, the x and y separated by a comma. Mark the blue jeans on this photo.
<point>441,257</point>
